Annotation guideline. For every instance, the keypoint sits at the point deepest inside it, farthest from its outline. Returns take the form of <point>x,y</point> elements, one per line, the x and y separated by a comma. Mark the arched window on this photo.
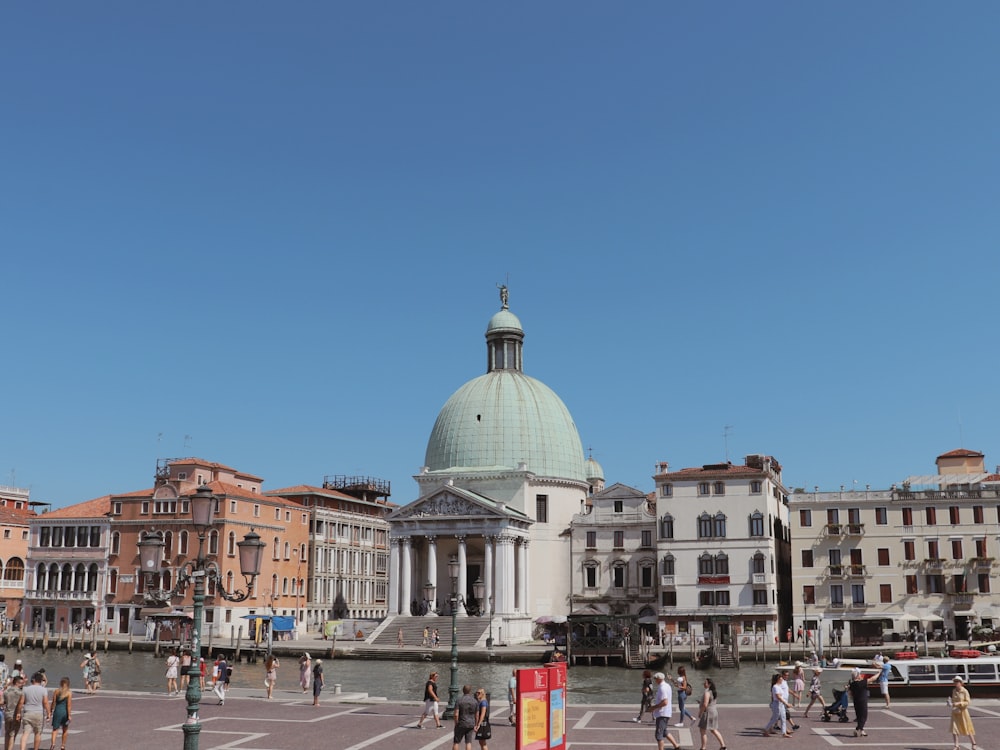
<point>92,577</point>
<point>706,565</point>
<point>274,585</point>
<point>14,570</point>
<point>288,550</point>
<point>213,542</point>
<point>41,577</point>
<point>168,544</point>
<point>719,528</point>
<point>302,552</point>
<point>704,526</point>
<point>275,548</point>
<point>80,579</point>
<point>231,544</point>
<point>66,580</point>
<point>756,523</point>
<point>54,582</point>
<point>229,581</point>
<point>116,543</point>
<point>668,565</point>
<point>757,561</point>
<point>284,586</point>
<point>182,546</point>
<point>722,564</point>
<point>667,526</point>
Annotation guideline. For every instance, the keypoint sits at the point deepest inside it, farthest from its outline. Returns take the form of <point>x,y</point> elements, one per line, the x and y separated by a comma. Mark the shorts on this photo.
<point>464,734</point>
<point>11,726</point>
<point>430,709</point>
<point>34,721</point>
<point>883,686</point>
<point>662,727</point>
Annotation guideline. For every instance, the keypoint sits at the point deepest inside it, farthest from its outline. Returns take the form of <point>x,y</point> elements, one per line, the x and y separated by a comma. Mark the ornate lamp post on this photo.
<point>489,640</point>
<point>478,588</point>
<point>151,546</point>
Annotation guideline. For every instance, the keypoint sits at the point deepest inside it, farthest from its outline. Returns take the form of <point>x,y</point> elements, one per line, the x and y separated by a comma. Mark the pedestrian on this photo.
<point>437,638</point>
<point>512,698</point>
<point>305,670</point>
<point>33,710</point>
<point>883,679</point>
<point>684,689</point>
<point>815,691</point>
<point>185,669</point>
<point>11,706</point>
<point>62,711</point>
<point>426,639</point>
<point>483,729</point>
<point>173,664</point>
<point>798,684</point>
<point>202,672</point>
<point>961,722</point>
<point>91,669</point>
<point>317,680</point>
<point>222,679</point>
<point>662,711</point>
<point>4,673</point>
<point>646,695</point>
<point>708,716</point>
<point>858,688</point>
<point>798,635</point>
<point>778,706</point>
<point>270,673</point>
<point>18,670</point>
<point>399,637</point>
<point>430,702</point>
<point>465,712</point>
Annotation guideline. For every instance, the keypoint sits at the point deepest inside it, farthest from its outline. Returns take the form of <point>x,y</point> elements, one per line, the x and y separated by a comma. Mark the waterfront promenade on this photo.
<point>355,721</point>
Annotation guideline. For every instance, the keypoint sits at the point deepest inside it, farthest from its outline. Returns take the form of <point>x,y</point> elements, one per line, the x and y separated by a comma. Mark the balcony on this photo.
<point>983,563</point>
<point>836,605</point>
<point>667,581</point>
<point>934,562</point>
<point>855,529</point>
<point>857,571</point>
<point>759,580</point>
<point>835,571</point>
<point>834,529</point>
<point>62,596</point>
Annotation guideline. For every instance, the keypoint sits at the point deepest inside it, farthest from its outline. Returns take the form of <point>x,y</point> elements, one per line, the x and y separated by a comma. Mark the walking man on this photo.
<point>663,709</point>
<point>465,712</point>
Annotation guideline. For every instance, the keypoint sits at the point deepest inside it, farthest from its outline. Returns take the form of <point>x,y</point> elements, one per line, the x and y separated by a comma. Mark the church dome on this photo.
<point>504,418</point>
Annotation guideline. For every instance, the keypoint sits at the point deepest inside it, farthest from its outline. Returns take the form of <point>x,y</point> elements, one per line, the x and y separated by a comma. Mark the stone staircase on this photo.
<point>383,643</point>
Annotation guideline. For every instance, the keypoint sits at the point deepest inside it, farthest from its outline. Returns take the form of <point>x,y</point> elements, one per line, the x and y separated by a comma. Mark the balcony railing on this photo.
<point>856,570</point>
<point>759,579</point>
<point>855,529</point>
<point>835,571</point>
<point>981,562</point>
<point>666,580</point>
<point>834,529</point>
<point>63,596</point>
<point>934,562</point>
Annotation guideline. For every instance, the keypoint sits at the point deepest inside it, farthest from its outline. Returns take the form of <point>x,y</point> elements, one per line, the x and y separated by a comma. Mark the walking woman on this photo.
<point>684,689</point>
<point>645,700</point>
<point>778,705</point>
<point>62,710</point>
<point>961,722</point>
<point>317,680</point>
<point>708,716</point>
<point>798,683</point>
<point>815,692</point>
<point>305,669</point>
<point>483,729</point>
<point>173,663</point>
<point>271,673</point>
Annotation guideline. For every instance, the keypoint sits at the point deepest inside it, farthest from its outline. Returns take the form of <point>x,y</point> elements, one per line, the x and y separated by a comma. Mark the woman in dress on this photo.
<point>271,673</point>
<point>173,662</point>
<point>708,716</point>
<point>305,669</point>
<point>645,700</point>
<point>961,722</point>
<point>483,730</point>
<point>91,671</point>
<point>62,710</point>
<point>815,691</point>
<point>317,680</point>
<point>798,683</point>
<point>684,689</point>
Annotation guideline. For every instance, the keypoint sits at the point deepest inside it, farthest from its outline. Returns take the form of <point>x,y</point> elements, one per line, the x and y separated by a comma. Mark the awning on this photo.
<point>648,620</point>
<point>932,618</point>
<point>554,619</point>
<point>278,622</point>
<point>906,618</point>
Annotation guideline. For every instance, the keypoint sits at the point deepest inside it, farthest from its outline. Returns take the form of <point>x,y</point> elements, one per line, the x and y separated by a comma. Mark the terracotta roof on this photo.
<point>308,489</point>
<point>135,493</point>
<point>962,453</point>
<point>10,517</point>
<point>96,508</point>
<point>712,470</point>
<point>211,465</point>
<point>992,478</point>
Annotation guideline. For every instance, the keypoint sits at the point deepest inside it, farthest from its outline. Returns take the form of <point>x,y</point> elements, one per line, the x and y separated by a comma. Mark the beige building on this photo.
<point>875,565</point>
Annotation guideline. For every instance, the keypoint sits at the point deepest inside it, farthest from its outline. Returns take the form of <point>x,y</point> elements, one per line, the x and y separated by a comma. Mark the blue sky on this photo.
<point>269,234</point>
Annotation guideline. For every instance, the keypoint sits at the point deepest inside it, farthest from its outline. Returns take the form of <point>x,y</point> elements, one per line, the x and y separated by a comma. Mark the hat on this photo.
<point>202,659</point>
<point>18,662</point>
<point>659,676</point>
<point>798,664</point>
<point>306,654</point>
<point>957,678</point>
<point>817,670</point>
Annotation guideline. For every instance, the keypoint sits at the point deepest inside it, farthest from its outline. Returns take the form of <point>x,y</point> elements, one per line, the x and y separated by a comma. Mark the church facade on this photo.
<point>504,473</point>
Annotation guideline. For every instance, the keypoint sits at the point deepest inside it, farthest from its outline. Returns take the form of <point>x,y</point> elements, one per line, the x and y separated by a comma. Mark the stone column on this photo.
<point>393,576</point>
<point>487,572</point>
<point>463,575</point>
<point>505,575</point>
<point>432,570</point>
<point>522,577</point>
<point>406,575</point>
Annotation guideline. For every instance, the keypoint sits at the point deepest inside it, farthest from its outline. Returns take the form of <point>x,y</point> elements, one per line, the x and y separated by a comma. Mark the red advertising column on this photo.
<point>557,705</point>
<point>541,708</point>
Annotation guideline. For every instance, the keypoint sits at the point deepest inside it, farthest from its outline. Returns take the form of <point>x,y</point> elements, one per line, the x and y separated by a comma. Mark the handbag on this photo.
<point>484,732</point>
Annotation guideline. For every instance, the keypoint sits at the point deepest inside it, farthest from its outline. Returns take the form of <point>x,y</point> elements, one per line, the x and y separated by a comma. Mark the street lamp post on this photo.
<point>489,640</point>
<point>151,545</point>
<point>456,598</point>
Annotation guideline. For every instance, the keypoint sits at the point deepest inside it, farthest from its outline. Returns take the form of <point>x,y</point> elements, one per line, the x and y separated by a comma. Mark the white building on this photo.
<point>504,474</point>
<point>724,550</point>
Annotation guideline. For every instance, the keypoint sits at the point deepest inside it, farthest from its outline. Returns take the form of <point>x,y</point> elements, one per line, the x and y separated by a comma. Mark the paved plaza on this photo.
<point>351,722</point>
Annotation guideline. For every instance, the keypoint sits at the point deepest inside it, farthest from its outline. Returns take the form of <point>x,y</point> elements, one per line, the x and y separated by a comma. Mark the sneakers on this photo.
<point>679,724</point>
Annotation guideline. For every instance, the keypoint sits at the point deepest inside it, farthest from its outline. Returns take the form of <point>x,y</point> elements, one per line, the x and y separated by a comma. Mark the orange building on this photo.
<point>14,518</point>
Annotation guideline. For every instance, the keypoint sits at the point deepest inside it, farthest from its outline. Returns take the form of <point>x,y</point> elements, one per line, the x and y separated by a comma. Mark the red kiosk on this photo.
<point>541,707</point>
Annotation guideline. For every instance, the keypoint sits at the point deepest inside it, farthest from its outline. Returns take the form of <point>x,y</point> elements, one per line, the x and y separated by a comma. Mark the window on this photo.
<point>757,563</point>
<point>231,544</point>
<point>618,576</point>
<point>854,515</point>
<point>619,540</point>
<point>885,593</point>
<point>760,596</point>
<point>931,514</point>
<point>935,584</point>
<point>116,508</point>
<point>837,595</point>
<point>44,536</point>
<point>981,548</point>
<point>907,516</point>
<point>911,584</point>
<point>909,550</point>
<point>288,551</point>
<point>808,594</point>
<point>805,517</point>
<point>619,506</point>
<point>977,514</point>
<point>112,583</point>
<point>667,527</point>
<point>256,510</point>
<point>646,576</point>
<point>116,543</point>
<point>755,487</point>
<point>881,516</point>
<point>757,523</point>
<point>956,549</point>
<point>719,488</point>
<point>883,556</point>
<point>668,565</point>
<point>647,538</point>
<point>704,526</point>
<point>213,542</point>
<point>14,570</point>
<point>722,564</point>
<point>233,506</point>
<point>834,558</point>
<point>706,565</point>
<point>182,546</point>
<point>666,490</point>
<point>288,516</point>
<point>984,583</point>
<point>703,488</point>
<point>713,598</point>
<point>668,598</point>
<point>542,508</point>
<point>958,583</point>
<point>807,558</point>
<point>933,552</point>
<point>277,514</point>
<point>591,539</point>
<point>719,526</point>
<point>590,575</point>
<point>858,593</point>
<point>144,508</point>
<point>954,517</point>
<point>833,515</point>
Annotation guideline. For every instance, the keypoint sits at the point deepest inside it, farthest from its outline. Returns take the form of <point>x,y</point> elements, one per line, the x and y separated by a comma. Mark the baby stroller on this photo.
<point>837,708</point>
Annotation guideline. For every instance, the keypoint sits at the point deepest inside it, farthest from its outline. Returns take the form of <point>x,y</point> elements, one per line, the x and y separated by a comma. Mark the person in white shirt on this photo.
<point>662,711</point>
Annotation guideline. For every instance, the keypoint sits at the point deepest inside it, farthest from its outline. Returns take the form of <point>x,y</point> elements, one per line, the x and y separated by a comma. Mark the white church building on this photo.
<point>503,476</point>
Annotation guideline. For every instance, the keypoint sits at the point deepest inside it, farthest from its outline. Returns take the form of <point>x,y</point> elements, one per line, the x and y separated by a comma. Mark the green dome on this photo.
<point>503,418</point>
<point>504,320</point>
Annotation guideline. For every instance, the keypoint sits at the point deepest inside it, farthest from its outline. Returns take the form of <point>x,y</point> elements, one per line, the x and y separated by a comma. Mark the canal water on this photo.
<point>401,680</point>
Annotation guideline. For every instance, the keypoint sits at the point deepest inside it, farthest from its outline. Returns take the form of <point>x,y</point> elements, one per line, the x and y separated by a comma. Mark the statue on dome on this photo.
<point>503,296</point>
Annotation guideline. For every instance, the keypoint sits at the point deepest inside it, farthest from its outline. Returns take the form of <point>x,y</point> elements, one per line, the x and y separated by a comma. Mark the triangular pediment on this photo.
<point>453,502</point>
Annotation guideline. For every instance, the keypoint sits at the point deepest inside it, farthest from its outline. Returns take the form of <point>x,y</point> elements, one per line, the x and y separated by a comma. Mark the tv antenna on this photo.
<point>725,436</point>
